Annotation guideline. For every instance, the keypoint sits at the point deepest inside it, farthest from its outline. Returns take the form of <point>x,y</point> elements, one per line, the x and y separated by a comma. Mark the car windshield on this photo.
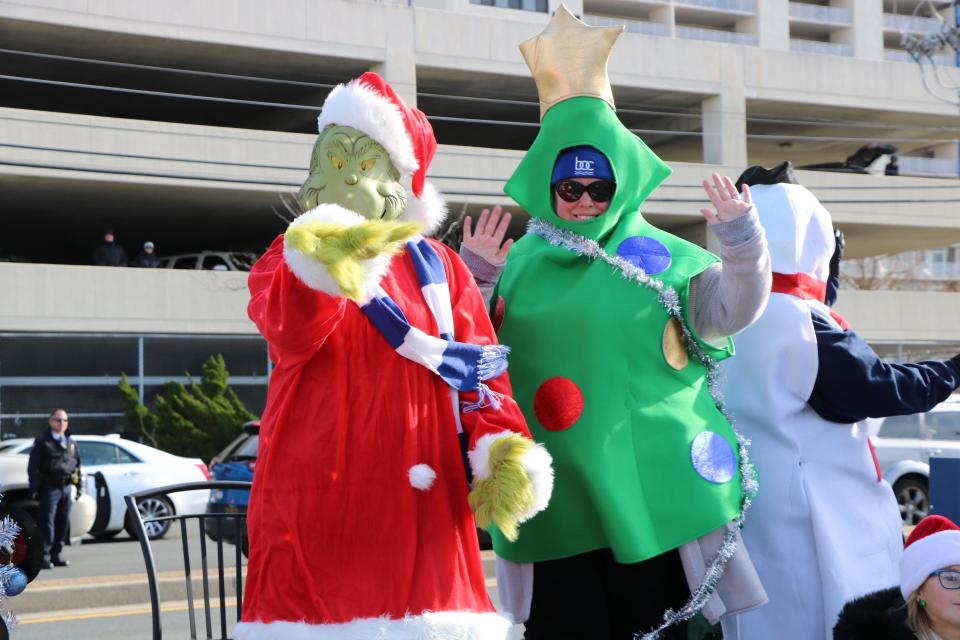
<point>246,451</point>
<point>231,448</point>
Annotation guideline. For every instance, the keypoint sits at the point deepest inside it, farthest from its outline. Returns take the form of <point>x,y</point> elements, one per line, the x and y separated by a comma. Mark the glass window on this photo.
<point>186,262</point>
<point>230,448</point>
<point>253,397</point>
<point>247,450</point>
<point>243,261</point>
<point>26,451</point>
<point>75,399</point>
<point>172,356</point>
<point>901,427</point>
<point>66,356</point>
<point>214,262</point>
<point>94,453</point>
<point>526,5</point>
<point>124,457</point>
<point>944,425</point>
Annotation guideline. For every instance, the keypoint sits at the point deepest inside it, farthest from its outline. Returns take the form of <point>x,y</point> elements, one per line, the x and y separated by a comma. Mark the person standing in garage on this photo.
<point>54,465</point>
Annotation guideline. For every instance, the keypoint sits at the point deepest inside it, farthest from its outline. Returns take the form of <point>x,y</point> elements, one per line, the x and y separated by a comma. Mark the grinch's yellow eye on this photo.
<point>336,162</point>
<point>366,165</point>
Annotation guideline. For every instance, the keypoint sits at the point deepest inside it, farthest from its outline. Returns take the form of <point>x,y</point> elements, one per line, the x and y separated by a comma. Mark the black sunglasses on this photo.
<point>599,191</point>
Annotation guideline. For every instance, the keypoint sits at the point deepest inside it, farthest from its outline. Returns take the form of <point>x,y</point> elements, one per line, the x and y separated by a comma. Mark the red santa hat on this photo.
<point>370,105</point>
<point>933,544</point>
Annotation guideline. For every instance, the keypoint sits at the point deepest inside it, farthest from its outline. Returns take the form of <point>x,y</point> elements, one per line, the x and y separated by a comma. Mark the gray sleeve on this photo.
<point>484,273</point>
<point>727,298</point>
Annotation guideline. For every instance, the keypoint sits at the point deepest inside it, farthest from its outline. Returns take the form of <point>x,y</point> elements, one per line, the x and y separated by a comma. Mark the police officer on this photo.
<point>54,466</point>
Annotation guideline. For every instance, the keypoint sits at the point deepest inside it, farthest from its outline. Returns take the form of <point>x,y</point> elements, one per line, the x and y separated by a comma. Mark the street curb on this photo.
<point>48,596</point>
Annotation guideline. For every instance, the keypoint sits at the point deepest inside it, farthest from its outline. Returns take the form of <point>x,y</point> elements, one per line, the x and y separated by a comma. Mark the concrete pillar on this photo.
<point>772,24</point>
<point>667,16</point>
<point>866,34</point>
<point>948,151</point>
<point>399,68</point>
<point>725,118</point>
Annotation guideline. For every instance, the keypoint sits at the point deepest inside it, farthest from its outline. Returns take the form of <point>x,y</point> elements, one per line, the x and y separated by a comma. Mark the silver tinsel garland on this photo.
<point>668,297</point>
<point>9,530</point>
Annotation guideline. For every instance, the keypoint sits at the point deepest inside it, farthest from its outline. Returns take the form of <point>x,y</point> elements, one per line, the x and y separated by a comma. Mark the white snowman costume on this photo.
<point>825,526</point>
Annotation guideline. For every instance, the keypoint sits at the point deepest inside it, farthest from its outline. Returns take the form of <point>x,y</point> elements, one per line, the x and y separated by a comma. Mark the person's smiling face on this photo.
<point>943,605</point>
<point>585,208</point>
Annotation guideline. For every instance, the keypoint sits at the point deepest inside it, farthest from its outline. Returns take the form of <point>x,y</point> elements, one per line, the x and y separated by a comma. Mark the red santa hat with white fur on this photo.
<point>370,105</point>
<point>933,544</point>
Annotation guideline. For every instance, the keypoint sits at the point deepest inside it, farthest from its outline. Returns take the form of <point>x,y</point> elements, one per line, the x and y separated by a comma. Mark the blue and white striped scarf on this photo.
<point>463,366</point>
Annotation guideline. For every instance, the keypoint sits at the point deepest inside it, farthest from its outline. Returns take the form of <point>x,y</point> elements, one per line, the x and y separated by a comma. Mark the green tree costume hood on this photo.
<point>587,121</point>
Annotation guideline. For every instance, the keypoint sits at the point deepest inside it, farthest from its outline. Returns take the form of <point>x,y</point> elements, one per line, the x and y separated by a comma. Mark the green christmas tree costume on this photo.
<point>606,368</point>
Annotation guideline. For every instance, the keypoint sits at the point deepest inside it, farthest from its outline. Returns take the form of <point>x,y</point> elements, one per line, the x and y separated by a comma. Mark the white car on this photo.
<point>211,260</point>
<point>128,467</point>
<point>904,445</point>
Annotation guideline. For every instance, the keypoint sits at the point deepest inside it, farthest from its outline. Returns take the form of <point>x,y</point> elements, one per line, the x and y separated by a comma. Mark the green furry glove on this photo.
<point>342,249</point>
<point>507,494</point>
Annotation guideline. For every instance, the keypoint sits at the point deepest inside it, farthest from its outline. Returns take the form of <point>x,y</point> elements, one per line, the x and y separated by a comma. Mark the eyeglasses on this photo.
<point>599,191</point>
<point>948,578</point>
<point>60,419</point>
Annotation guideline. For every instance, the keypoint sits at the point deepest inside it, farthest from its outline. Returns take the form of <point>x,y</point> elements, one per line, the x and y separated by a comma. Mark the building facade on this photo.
<point>190,124</point>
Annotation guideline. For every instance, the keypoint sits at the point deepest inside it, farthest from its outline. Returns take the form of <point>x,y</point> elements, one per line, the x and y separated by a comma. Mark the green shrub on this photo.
<point>193,420</point>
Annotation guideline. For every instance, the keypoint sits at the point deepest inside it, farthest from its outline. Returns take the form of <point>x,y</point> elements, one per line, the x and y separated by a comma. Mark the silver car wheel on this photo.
<point>914,505</point>
<point>155,508</point>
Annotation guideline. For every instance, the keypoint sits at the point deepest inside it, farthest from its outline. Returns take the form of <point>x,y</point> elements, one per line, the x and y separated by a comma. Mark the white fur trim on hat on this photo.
<point>429,210</point>
<point>436,625</point>
<point>358,106</point>
<point>926,555</point>
<point>313,273</point>
<point>421,476</point>
<point>536,462</point>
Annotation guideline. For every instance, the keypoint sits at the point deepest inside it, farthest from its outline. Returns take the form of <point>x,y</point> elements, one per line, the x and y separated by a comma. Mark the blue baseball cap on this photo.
<point>581,162</point>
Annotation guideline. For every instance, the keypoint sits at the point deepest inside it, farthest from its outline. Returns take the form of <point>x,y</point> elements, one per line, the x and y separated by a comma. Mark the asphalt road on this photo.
<point>103,594</point>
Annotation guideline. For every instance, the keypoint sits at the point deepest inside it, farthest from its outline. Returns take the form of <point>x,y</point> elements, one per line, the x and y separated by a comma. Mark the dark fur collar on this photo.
<point>881,615</point>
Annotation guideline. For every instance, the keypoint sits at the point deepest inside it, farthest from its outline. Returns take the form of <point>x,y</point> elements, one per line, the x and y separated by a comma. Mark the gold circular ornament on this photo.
<point>674,352</point>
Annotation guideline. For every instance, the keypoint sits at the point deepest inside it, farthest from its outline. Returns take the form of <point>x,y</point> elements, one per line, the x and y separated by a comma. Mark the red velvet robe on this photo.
<point>337,532</point>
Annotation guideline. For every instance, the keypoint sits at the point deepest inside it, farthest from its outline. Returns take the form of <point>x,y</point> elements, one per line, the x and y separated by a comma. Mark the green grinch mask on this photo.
<point>350,169</point>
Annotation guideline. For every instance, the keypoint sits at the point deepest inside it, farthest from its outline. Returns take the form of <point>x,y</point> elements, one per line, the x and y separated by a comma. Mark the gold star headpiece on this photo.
<point>570,59</point>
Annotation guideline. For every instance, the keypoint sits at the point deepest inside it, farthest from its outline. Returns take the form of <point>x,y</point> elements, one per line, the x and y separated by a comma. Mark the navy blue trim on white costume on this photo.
<point>463,366</point>
<point>853,383</point>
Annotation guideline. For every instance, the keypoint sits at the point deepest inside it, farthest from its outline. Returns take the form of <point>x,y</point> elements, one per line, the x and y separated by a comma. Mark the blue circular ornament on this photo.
<point>16,582</point>
<point>713,457</point>
<point>645,252</point>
